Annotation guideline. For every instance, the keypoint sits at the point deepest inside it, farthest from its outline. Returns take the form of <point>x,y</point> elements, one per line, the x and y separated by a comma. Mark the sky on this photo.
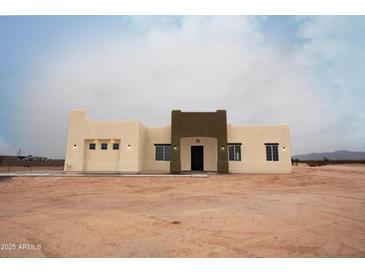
<point>304,71</point>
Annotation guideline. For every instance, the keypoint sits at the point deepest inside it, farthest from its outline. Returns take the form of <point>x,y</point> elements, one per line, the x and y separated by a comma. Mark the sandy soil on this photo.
<point>313,212</point>
<point>6,169</point>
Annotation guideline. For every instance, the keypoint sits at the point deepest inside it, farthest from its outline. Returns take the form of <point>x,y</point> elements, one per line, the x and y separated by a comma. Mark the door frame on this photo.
<point>202,157</point>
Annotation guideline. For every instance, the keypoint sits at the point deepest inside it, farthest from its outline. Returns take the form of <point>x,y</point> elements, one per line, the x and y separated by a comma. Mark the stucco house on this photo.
<point>195,141</point>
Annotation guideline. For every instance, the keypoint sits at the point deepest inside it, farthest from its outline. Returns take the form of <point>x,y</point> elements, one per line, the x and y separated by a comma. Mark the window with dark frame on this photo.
<point>234,152</point>
<point>104,146</point>
<point>92,146</point>
<point>167,152</point>
<point>272,152</point>
<point>162,152</point>
<point>116,146</point>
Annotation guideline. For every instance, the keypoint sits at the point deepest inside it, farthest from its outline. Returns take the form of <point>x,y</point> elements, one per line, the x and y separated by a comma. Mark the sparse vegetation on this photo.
<point>10,165</point>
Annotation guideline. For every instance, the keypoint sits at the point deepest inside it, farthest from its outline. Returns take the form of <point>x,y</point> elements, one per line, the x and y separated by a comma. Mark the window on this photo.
<point>116,146</point>
<point>92,146</point>
<point>234,152</point>
<point>104,146</point>
<point>272,152</point>
<point>162,152</point>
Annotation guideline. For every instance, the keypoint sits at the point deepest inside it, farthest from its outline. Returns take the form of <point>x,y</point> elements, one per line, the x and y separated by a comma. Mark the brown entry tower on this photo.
<point>202,124</point>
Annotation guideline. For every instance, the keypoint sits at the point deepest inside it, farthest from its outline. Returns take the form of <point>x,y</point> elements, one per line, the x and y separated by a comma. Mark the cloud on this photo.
<point>5,148</point>
<point>334,51</point>
<point>193,64</point>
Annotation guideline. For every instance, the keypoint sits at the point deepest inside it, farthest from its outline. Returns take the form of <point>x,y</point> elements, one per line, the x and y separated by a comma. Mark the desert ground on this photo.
<point>312,212</point>
<point>6,169</point>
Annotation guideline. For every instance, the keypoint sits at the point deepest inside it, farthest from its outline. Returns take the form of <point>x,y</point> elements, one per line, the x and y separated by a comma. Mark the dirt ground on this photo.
<point>6,169</point>
<point>313,212</point>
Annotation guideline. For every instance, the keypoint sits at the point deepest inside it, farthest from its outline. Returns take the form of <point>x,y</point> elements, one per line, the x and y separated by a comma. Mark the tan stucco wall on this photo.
<point>209,152</point>
<point>253,151</point>
<point>82,131</point>
<point>140,154</point>
<point>161,135</point>
<point>76,127</point>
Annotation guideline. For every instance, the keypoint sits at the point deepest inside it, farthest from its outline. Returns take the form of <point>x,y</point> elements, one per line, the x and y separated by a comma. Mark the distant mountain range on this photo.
<point>336,155</point>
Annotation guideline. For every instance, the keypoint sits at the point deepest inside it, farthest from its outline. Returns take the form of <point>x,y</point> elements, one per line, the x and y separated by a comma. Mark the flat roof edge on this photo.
<point>256,125</point>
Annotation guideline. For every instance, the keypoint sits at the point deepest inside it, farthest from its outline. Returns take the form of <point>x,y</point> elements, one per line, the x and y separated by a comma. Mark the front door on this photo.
<point>197,160</point>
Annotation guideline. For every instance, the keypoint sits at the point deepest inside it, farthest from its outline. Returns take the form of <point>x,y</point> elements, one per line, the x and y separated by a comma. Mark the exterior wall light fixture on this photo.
<point>222,147</point>
<point>129,147</point>
<point>75,146</point>
<point>175,147</point>
<point>197,141</point>
<point>284,148</point>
